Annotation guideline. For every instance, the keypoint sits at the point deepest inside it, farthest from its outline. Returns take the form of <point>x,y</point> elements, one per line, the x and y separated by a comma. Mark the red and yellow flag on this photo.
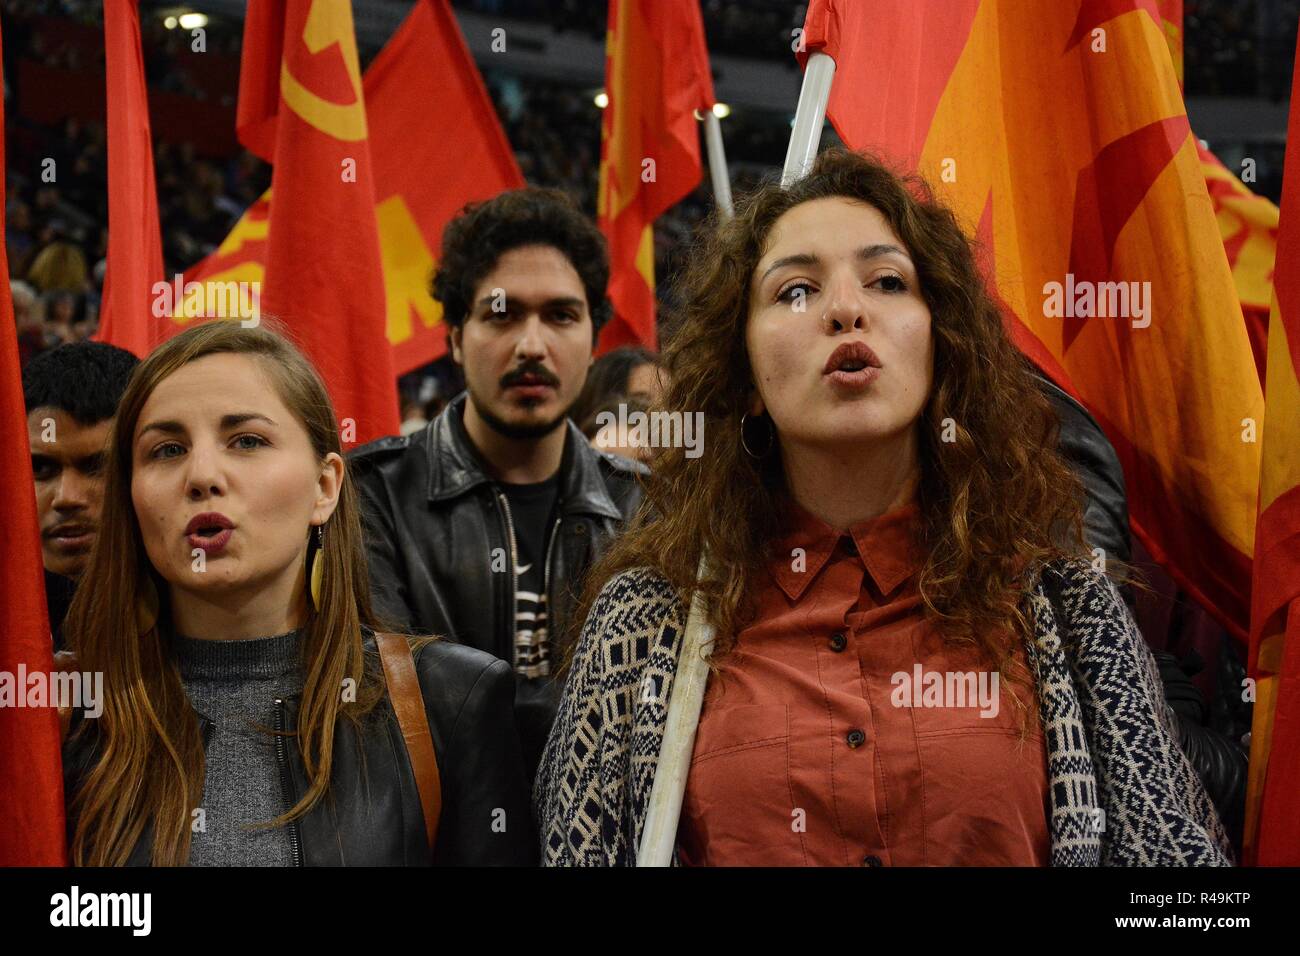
<point>31,791</point>
<point>656,77</point>
<point>1248,226</point>
<point>135,261</point>
<point>1057,133</point>
<point>1273,790</point>
<point>436,145</point>
<point>301,108</point>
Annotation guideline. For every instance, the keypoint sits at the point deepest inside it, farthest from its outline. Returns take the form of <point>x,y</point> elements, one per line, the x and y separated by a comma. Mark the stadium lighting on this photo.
<point>602,100</point>
<point>170,23</point>
<point>721,110</point>
<point>192,21</point>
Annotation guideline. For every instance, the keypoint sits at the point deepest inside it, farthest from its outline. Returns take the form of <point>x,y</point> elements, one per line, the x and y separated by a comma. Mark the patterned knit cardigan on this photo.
<point>1122,792</point>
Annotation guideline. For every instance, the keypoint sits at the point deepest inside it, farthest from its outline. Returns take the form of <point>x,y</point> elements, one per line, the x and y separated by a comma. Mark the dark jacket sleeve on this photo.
<point>1220,761</point>
<point>1085,446</point>
<point>388,593</point>
<point>486,818</point>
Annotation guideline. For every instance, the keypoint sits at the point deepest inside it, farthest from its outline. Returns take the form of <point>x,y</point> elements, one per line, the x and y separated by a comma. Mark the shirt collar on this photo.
<point>886,548</point>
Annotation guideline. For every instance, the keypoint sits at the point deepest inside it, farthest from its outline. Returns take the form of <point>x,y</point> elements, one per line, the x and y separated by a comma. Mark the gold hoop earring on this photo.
<point>318,567</point>
<point>146,605</point>
<point>771,438</point>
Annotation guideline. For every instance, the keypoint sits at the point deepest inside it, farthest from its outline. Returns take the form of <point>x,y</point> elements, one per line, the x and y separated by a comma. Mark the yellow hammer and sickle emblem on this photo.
<point>329,22</point>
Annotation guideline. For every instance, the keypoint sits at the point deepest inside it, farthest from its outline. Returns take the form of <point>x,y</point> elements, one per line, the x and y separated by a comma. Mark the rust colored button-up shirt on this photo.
<point>808,752</point>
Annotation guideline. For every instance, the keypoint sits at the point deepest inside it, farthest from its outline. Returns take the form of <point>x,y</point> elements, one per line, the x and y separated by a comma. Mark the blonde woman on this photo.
<point>247,718</point>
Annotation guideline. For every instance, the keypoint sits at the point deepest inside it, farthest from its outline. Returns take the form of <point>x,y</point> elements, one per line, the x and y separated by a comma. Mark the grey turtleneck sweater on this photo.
<point>235,685</point>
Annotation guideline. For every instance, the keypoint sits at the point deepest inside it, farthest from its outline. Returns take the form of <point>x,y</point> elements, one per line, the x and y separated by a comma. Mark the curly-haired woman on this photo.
<point>913,663</point>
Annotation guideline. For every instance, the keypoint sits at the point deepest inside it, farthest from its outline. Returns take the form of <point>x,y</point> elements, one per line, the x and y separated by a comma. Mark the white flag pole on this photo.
<point>659,836</point>
<point>809,116</point>
<point>717,163</point>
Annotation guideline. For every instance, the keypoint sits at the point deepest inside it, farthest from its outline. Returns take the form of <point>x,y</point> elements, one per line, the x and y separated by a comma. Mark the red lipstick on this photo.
<point>209,532</point>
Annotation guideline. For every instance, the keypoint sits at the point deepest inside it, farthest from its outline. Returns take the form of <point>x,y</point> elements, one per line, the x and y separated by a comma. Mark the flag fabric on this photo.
<point>1248,226</point>
<point>1058,135</point>
<point>1272,835</point>
<point>301,108</point>
<point>436,145</point>
<point>135,262</point>
<point>1171,21</point>
<point>31,798</point>
<point>656,77</point>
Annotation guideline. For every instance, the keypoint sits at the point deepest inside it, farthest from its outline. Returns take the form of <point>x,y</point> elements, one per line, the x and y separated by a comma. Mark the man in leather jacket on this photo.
<point>481,526</point>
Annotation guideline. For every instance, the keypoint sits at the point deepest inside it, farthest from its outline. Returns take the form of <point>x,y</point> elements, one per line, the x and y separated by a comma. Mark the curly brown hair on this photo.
<point>482,232</point>
<point>994,502</point>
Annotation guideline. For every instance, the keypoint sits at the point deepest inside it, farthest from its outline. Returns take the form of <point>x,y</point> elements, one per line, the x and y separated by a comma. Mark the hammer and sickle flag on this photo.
<point>436,145</point>
<point>1058,135</point>
<point>302,109</point>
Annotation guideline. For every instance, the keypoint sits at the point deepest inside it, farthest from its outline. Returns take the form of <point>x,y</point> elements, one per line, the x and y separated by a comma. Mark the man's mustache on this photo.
<point>536,370</point>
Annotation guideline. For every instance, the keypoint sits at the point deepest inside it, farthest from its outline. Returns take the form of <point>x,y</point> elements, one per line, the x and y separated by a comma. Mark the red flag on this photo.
<point>423,177</point>
<point>323,275</point>
<point>656,77</point>
<point>1059,137</point>
<point>1273,790</point>
<point>135,262</point>
<point>31,791</point>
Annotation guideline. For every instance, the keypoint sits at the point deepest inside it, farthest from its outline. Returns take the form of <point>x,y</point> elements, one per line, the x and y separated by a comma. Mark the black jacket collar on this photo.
<point>456,468</point>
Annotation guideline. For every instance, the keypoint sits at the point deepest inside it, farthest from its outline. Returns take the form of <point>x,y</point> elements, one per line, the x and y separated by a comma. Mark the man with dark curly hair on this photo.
<point>481,526</point>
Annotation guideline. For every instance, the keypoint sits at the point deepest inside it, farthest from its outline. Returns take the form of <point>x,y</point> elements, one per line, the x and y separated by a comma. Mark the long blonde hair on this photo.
<point>149,765</point>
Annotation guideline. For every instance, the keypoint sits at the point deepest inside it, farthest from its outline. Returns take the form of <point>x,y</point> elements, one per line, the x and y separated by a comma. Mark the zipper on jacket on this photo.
<point>546,588</point>
<point>295,842</point>
<point>503,508</point>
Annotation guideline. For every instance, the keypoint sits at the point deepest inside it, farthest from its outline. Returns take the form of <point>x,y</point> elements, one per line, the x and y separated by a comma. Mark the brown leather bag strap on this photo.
<point>408,705</point>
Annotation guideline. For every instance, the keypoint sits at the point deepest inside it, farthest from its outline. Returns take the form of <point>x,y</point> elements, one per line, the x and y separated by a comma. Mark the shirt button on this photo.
<point>856,738</point>
<point>839,642</point>
<point>872,861</point>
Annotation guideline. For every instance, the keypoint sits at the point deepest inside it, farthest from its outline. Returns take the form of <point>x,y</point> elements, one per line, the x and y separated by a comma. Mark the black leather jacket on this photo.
<point>371,815</point>
<point>1219,760</point>
<point>1086,447</point>
<point>433,520</point>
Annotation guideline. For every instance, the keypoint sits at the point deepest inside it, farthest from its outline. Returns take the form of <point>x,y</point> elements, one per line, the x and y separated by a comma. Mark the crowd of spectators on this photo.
<point>1239,47</point>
